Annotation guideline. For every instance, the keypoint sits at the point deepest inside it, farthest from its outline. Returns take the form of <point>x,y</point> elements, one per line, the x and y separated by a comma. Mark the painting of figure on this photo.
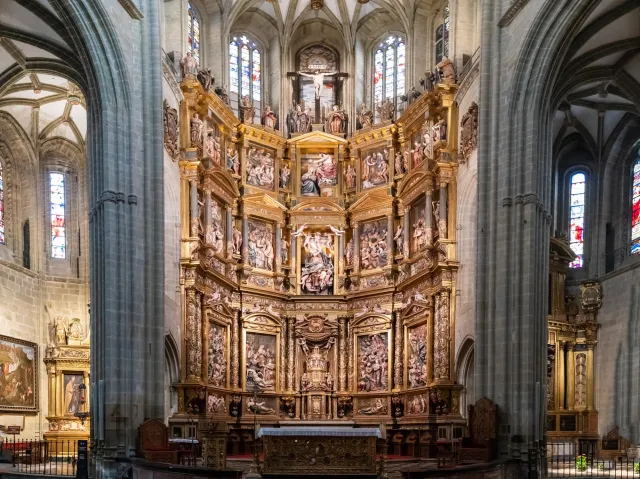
<point>260,245</point>
<point>375,168</point>
<point>18,370</point>
<point>260,168</point>
<point>417,370</point>
<point>260,362</point>
<point>373,360</point>
<point>317,270</point>
<point>217,355</point>
<point>72,393</point>
<point>373,245</point>
<point>319,175</point>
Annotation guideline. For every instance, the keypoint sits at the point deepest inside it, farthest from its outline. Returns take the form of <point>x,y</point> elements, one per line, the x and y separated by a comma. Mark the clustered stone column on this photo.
<point>235,347</point>
<point>398,346</point>
<point>194,335</point>
<point>442,222</point>
<point>342,357</point>
<point>428,213</point>
<point>441,336</point>
<point>290,356</point>
<point>283,355</point>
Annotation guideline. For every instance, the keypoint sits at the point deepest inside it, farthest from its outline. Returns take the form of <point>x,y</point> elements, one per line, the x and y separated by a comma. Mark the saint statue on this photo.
<point>196,130</point>
<point>285,173</point>
<point>365,117</point>
<point>446,67</point>
<point>269,118</point>
<point>284,251</point>
<point>399,164</point>
<point>248,110</point>
<point>232,157</point>
<point>221,91</point>
<point>336,121</point>
<point>386,110</point>
<point>189,65</point>
<point>350,176</point>
<point>205,78</point>
<point>318,79</point>
<point>237,240</point>
<point>399,239</point>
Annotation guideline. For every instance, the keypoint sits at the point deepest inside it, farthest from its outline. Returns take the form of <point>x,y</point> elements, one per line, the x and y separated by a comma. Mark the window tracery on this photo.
<point>635,207</point>
<point>389,70</point>
<point>245,69</point>
<point>576,217</point>
<point>442,35</point>
<point>58,223</point>
<point>193,33</point>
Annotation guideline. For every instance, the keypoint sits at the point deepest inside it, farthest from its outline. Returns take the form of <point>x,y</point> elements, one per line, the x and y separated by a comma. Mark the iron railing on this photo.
<point>55,458</point>
<point>564,459</point>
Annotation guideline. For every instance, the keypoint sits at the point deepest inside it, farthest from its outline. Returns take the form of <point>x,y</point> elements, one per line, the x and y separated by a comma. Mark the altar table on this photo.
<point>319,450</point>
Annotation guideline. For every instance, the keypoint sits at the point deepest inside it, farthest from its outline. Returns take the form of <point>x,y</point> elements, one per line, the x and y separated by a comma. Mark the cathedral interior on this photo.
<point>416,219</point>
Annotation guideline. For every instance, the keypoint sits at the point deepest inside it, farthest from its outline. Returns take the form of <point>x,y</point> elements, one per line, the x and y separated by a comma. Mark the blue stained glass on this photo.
<point>635,209</point>
<point>58,225</point>
<point>576,218</point>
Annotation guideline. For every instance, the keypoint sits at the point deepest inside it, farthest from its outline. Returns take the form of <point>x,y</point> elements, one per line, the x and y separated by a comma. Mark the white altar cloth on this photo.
<point>320,431</point>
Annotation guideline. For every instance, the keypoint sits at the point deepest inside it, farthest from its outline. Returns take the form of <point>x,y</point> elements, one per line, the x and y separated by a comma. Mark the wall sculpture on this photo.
<point>373,362</point>
<point>319,175</point>
<point>260,245</point>
<point>316,273</point>
<point>418,356</point>
<point>373,245</point>
<point>260,362</point>
<point>260,168</point>
<point>217,367</point>
<point>375,168</point>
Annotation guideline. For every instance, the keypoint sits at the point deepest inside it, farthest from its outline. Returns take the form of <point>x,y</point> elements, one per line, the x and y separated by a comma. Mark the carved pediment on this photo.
<point>414,183</point>
<point>317,138</point>
<point>560,250</point>
<point>372,204</point>
<point>415,310</point>
<point>221,309</point>
<point>316,327</point>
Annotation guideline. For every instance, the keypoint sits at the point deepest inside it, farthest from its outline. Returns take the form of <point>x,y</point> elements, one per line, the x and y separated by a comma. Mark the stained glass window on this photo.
<point>442,35</point>
<point>576,218</point>
<point>2,239</point>
<point>193,33</point>
<point>245,68</point>
<point>389,70</point>
<point>58,224</point>
<point>635,208</point>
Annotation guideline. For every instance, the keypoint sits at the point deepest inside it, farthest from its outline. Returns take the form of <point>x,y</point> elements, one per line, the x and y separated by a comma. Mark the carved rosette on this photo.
<point>441,336</point>
<point>194,334</point>
<point>342,346</point>
<point>235,347</point>
<point>397,367</point>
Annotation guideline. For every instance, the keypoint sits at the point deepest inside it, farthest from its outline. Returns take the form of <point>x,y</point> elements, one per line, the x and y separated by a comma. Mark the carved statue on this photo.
<point>269,118</point>
<point>188,65</point>
<point>386,110</point>
<point>299,120</point>
<point>350,176</point>
<point>336,121</point>
<point>284,251</point>
<point>399,164</point>
<point>285,173</point>
<point>237,240</point>
<point>349,253</point>
<point>247,109</point>
<point>318,79</point>
<point>212,149</point>
<point>221,91</point>
<point>446,67</point>
<point>469,133</point>
<point>197,127</point>
<point>171,139</point>
<point>206,78</point>
<point>399,239</point>
<point>61,328</point>
<point>258,407</point>
<point>232,157</point>
<point>365,116</point>
<point>76,330</point>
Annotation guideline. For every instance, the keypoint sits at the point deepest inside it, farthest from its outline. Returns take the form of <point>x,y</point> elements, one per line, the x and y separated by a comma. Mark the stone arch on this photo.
<point>171,374</point>
<point>465,367</point>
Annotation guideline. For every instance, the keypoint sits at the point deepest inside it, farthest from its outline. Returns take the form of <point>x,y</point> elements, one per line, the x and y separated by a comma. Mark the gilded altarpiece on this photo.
<point>318,274</point>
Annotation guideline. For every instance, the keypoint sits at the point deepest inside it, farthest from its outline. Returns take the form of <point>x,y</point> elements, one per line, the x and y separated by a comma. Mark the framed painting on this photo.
<point>18,375</point>
<point>72,400</point>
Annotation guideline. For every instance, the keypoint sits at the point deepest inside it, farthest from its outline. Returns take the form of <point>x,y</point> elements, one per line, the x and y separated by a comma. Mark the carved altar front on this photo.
<point>318,273</point>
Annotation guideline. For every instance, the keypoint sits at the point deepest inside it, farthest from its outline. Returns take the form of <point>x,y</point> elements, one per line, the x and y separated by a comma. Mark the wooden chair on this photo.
<point>153,442</point>
<point>480,446</point>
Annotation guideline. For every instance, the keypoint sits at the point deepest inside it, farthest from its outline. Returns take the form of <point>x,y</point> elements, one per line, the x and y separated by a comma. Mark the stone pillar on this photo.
<point>229,231</point>
<point>590,377</point>
<point>398,346</point>
<point>291,353</point>
<point>278,258</point>
<point>294,252</point>
<point>245,240</point>
<point>428,213</point>
<point>356,247</point>
<point>390,248</point>
<point>235,352</point>
<point>207,224</point>
<point>430,337</point>
<point>194,209</point>
<point>442,223</point>
<point>342,357</point>
<point>283,355</point>
<point>560,375</point>
<point>407,231</point>
<point>341,254</point>
<point>193,335</point>
<point>441,337</point>
<point>351,361</point>
<point>571,376</point>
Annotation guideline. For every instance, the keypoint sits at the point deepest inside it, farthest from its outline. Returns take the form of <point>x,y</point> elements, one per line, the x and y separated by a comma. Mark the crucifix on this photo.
<point>318,80</point>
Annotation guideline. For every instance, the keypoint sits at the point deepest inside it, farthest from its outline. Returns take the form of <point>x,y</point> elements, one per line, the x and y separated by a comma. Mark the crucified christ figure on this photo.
<point>318,78</point>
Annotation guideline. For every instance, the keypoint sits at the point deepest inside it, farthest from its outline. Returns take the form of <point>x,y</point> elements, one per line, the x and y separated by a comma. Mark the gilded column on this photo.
<point>390,247</point>
<point>208,227</point>
<point>204,335</point>
<point>245,240</point>
<point>294,252</point>
<point>194,335</point>
<point>590,377</point>
<point>229,231</point>
<point>407,230</point>
<point>428,213</point>
<point>283,355</point>
<point>441,337</point>
<point>341,254</point>
<point>278,258</point>
<point>342,357</point>
<point>194,207</point>
<point>235,349</point>
<point>442,222</point>
<point>560,375</point>
<point>290,354</point>
<point>430,337</point>
<point>351,361</point>
<point>356,248</point>
<point>398,346</point>
<point>571,377</point>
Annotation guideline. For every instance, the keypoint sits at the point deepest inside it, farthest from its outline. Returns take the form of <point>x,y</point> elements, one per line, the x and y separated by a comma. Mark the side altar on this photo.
<point>319,450</point>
